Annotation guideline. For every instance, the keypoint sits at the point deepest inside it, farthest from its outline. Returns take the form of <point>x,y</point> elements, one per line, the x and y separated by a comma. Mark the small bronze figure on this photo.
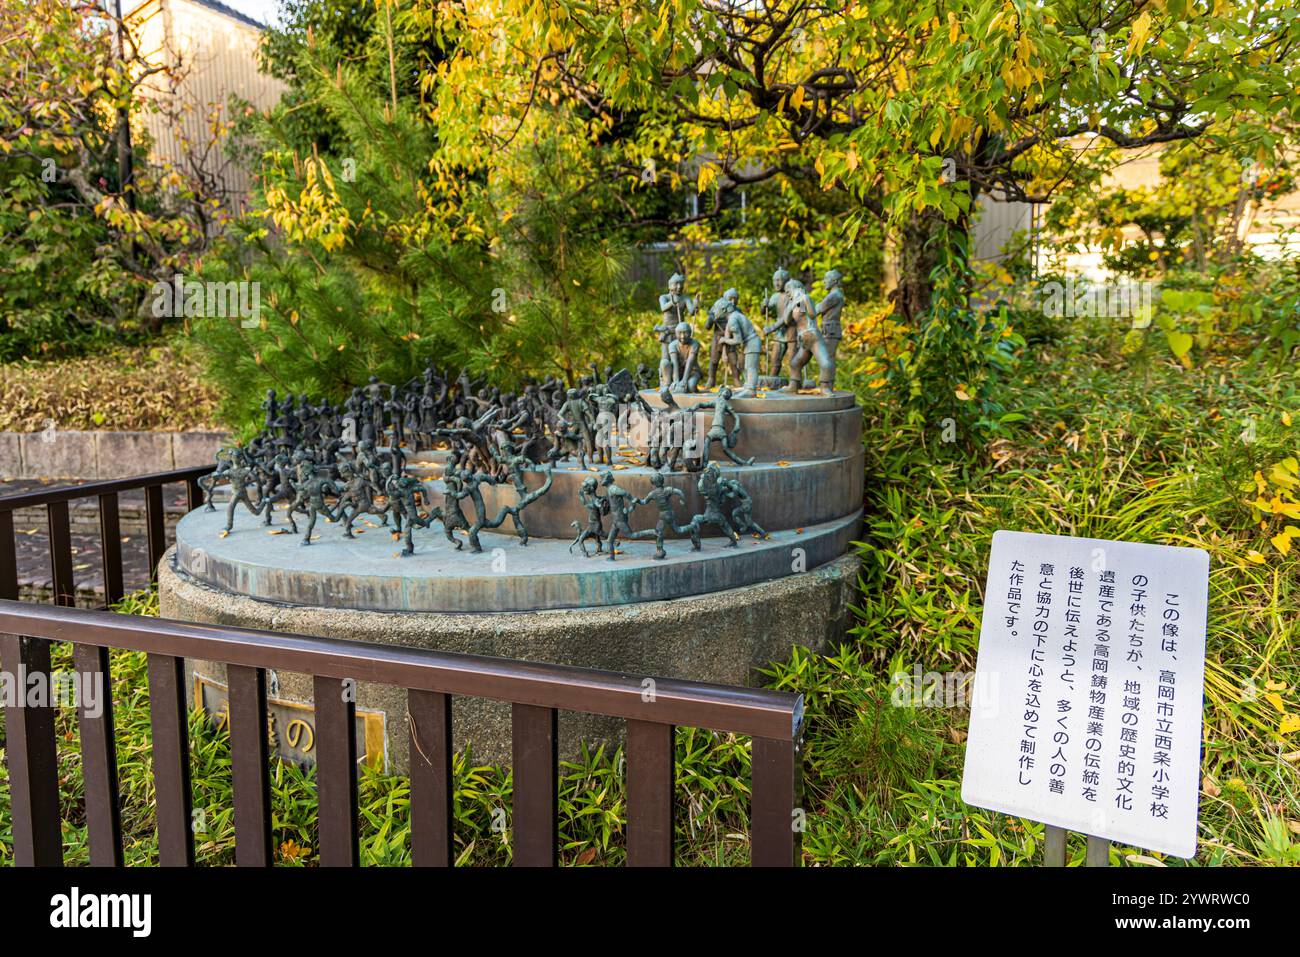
<point>803,317</point>
<point>674,308</point>
<point>242,478</point>
<point>714,507</point>
<point>716,322</point>
<point>471,488</point>
<point>310,496</point>
<point>684,353</point>
<point>741,335</point>
<point>775,308</point>
<point>721,407</point>
<point>518,465</point>
<point>742,514</point>
<point>451,514</point>
<point>225,459</point>
<point>621,503</point>
<point>401,491</point>
<point>828,312</point>
<point>596,506</point>
<point>662,496</point>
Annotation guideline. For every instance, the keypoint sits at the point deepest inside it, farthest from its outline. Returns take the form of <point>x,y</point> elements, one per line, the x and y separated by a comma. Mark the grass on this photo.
<point>130,388</point>
<point>1111,445</point>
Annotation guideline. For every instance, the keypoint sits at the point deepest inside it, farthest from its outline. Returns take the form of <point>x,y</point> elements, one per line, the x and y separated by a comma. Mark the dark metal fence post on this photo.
<point>169,730</point>
<point>431,783</point>
<point>650,784</point>
<point>33,761</point>
<point>537,794</point>
<point>99,758</point>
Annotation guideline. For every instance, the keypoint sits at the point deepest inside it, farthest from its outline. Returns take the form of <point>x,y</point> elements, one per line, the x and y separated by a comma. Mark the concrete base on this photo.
<point>721,637</point>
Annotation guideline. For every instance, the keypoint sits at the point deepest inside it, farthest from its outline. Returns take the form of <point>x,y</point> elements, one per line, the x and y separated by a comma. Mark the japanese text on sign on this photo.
<point>1093,654</point>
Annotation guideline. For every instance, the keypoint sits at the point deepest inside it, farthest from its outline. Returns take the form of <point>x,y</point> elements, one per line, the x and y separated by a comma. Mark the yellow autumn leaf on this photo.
<point>1138,36</point>
<point>1284,473</point>
<point>1275,699</point>
<point>1286,418</point>
<point>708,174</point>
<point>1255,557</point>
<point>1288,724</point>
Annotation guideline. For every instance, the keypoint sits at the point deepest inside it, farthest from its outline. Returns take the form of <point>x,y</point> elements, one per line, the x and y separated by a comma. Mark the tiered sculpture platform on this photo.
<point>368,573</point>
<point>716,614</point>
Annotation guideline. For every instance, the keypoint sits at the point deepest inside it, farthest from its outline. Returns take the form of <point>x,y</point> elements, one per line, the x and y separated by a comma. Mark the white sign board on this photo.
<point>1086,712</point>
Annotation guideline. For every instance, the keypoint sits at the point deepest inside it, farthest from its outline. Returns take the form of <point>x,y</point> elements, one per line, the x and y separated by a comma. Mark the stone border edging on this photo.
<point>55,454</point>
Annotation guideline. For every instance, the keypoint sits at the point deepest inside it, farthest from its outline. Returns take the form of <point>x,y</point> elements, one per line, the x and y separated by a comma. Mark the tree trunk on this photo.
<point>918,252</point>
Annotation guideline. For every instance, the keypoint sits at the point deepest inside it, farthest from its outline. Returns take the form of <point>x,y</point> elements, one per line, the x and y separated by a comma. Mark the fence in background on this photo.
<point>55,502</point>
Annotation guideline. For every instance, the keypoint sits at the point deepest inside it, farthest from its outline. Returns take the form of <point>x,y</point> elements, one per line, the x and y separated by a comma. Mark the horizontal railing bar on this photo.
<point>66,493</point>
<point>754,711</point>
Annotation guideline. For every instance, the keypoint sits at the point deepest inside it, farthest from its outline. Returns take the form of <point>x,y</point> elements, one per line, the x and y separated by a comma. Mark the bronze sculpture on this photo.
<point>661,496</point>
<point>674,308</point>
<point>596,506</point>
<point>714,507</point>
<point>720,348</point>
<point>742,513</point>
<point>315,459</point>
<point>684,353</point>
<point>621,504</point>
<point>721,407</point>
<point>776,306</point>
<point>518,465</point>
<point>803,318</point>
<point>828,312</point>
<point>739,334</point>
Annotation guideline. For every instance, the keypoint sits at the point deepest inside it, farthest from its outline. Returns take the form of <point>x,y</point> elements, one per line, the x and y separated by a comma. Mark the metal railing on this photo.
<point>537,692</point>
<point>55,501</point>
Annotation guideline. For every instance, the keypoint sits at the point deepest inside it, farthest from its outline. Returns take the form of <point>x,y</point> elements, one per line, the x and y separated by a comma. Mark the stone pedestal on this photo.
<point>722,637</point>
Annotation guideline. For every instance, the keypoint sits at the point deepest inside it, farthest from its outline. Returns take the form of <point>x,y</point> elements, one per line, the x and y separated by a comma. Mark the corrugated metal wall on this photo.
<point>217,56</point>
<point>996,226</point>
